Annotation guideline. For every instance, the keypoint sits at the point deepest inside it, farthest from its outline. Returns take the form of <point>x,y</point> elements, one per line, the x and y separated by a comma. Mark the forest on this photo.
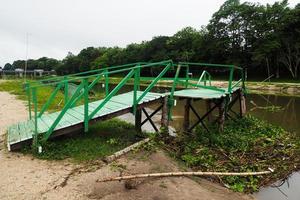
<point>264,39</point>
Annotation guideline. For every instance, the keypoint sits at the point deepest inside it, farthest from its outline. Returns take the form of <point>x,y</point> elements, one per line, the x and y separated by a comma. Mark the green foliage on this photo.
<point>249,144</point>
<point>17,88</point>
<point>14,87</point>
<point>103,139</point>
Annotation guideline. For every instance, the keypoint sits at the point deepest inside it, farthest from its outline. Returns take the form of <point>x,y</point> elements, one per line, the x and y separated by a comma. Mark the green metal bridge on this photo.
<point>79,111</point>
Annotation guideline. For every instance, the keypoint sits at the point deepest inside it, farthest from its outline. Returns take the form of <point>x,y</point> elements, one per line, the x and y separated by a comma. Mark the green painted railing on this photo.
<point>87,81</point>
<point>205,76</point>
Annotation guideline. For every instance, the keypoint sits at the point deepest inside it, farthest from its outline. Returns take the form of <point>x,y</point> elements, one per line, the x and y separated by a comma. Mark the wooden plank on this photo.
<point>62,123</point>
<point>76,114</point>
<point>31,127</point>
<point>122,101</point>
<point>46,120</point>
<point>23,131</point>
<point>71,118</point>
<point>102,112</point>
<point>152,95</point>
<point>113,106</point>
<point>42,126</point>
<point>14,134</point>
<point>118,105</point>
<point>8,137</point>
<point>199,93</point>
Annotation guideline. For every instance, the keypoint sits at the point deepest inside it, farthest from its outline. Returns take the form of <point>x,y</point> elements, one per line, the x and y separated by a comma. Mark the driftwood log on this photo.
<point>184,174</point>
<point>126,150</point>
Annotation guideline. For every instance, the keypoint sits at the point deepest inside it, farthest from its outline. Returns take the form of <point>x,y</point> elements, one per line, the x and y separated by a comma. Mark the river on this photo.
<point>287,116</point>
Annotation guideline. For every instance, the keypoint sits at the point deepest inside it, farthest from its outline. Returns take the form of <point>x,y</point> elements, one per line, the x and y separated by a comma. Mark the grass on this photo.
<point>16,87</point>
<point>103,139</point>
<point>249,144</point>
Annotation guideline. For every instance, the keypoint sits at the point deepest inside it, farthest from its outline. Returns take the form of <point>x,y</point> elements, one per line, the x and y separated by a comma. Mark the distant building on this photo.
<point>19,71</point>
<point>38,71</point>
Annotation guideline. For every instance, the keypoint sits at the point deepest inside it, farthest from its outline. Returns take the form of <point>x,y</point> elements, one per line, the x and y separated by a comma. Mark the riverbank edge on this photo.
<point>253,87</point>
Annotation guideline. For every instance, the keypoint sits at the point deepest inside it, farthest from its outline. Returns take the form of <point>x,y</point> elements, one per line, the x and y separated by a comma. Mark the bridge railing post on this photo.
<point>187,72</point>
<point>136,87</point>
<point>112,93</point>
<point>34,99</point>
<point>151,85</point>
<point>230,79</point>
<point>86,104</point>
<point>171,98</point>
<point>164,115</point>
<point>28,92</point>
<point>106,82</point>
<point>63,111</point>
<point>66,89</point>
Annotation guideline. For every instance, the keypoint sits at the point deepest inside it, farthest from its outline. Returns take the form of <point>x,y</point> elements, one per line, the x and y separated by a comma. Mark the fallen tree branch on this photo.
<point>183,174</point>
<point>124,151</point>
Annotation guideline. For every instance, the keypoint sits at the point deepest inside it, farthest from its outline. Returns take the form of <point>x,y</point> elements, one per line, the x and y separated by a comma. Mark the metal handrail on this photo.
<point>231,69</point>
<point>85,86</point>
<point>89,79</point>
<point>203,78</point>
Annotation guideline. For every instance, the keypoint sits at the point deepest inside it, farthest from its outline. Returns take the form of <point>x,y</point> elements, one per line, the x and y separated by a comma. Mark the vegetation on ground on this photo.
<point>102,139</point>
<point>17,87</point>
<point>249,144</point>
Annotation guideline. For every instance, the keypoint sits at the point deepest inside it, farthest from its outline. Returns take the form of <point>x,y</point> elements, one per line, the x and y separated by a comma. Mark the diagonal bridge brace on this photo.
<point>201,119</point>
<point>229,108</point>
<point>148,117</point>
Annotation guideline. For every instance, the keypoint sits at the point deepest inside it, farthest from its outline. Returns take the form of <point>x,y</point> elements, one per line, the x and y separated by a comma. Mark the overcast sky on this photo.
<point>56,27</point>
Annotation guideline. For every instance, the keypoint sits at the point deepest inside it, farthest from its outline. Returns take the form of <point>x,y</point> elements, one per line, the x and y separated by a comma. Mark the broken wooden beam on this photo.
<point>168,174</point>
<point>126,150</point>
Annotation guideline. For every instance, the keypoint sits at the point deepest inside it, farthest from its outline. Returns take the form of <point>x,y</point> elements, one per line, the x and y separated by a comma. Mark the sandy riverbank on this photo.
<point>24,177</point>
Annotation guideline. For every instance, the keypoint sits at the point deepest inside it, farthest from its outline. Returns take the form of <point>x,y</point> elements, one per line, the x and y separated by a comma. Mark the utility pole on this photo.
<point>26,56</point>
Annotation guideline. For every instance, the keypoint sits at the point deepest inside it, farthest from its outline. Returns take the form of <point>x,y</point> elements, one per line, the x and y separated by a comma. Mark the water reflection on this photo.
<point>288,190</point>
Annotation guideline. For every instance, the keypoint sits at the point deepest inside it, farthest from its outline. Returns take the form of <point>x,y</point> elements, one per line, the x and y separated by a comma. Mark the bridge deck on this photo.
<point>73,119</point>
<point>200,93</point>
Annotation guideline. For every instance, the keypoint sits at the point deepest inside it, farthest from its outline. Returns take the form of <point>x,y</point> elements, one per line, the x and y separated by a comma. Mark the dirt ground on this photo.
<point>23,177</point>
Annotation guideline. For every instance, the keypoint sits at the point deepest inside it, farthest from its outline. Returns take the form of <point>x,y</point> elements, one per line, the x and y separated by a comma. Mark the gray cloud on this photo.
<point>58,26</point>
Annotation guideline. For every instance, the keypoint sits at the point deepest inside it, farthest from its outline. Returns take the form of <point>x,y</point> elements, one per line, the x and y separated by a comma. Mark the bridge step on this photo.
<point>22,132</point>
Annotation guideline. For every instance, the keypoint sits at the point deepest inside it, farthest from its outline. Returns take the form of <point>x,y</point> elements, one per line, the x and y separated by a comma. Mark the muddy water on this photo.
<point>286,115</point>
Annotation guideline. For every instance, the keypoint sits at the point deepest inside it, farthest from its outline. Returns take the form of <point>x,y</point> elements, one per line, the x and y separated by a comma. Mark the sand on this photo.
<point>24,177</point>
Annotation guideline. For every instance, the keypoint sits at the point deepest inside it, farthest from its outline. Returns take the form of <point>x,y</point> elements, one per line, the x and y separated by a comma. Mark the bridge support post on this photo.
<point>221,118</point>
<point>138,120</point>
<point>242,103</point>
<point>86,105</point>
<point>186,120</point>
<point>208,108</point>
<point>164,115</point>
<point>66,90</point>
